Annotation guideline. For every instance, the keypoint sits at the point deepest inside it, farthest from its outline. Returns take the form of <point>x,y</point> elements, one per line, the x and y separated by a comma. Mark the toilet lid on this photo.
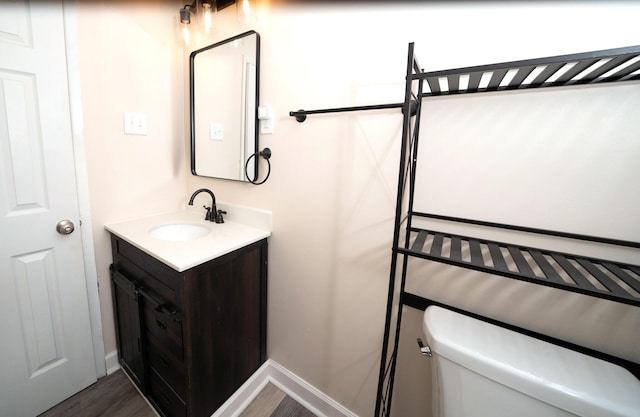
<point>566,379</point>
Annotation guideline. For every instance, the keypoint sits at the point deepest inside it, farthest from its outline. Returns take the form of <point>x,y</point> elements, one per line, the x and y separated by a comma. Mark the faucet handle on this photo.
<point>219,218</point>
<point>207,216</point>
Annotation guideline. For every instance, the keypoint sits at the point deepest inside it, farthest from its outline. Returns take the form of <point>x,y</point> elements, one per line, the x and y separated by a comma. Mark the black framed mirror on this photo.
<point>224,91</point>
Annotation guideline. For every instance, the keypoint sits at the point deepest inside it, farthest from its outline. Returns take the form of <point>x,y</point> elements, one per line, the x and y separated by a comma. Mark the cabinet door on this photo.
<point>127,310</point>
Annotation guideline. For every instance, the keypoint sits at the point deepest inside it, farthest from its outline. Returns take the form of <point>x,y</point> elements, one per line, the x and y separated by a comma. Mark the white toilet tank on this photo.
<point>482,370</point>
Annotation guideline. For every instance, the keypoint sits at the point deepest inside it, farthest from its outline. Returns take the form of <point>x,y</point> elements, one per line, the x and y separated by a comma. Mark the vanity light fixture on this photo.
<point>185,21</point>
<point>203,8</point>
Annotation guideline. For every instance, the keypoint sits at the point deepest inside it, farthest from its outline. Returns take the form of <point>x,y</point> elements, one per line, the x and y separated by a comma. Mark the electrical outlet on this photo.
<point>266,126</point>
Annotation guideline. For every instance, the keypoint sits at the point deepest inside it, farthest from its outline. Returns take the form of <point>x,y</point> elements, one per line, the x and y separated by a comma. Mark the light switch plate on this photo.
<point>135,123</point>
<point>216,131</point>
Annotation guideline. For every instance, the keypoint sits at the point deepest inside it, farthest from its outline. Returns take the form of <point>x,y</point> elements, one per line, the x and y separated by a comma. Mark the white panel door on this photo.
<point>46,348</point>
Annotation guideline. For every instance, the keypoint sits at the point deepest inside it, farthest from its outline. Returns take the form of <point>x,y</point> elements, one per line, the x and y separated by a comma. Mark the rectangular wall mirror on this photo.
<point>224,96</point>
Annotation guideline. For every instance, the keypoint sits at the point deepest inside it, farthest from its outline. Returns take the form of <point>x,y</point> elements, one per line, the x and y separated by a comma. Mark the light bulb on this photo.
<point>186,36</point>
<point>245,10</point>
<point>207,19</point>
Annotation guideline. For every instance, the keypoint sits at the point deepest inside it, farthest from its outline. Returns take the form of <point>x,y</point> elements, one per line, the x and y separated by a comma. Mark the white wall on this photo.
<point>571,160</point>
<point>333,183</point>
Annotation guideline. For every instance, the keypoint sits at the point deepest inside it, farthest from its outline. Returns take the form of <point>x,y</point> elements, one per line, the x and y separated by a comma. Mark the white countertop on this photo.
<point>182,255</point>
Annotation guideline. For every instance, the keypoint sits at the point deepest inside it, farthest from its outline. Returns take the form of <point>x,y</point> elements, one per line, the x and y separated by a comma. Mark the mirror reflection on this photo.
<point>224,87</point>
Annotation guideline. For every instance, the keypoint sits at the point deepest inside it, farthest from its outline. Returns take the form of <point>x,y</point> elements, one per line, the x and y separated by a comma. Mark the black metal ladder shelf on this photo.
<point>606,279</point>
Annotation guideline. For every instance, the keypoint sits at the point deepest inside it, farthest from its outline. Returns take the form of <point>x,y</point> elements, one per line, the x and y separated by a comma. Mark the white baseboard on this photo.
<point>111,362</point>
<point>306,394</point>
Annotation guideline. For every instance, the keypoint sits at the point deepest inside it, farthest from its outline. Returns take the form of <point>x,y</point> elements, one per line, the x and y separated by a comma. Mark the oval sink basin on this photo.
<point>179,232</point>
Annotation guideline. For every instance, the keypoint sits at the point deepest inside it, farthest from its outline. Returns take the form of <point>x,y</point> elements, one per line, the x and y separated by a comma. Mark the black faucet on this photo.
<point>211,211</point>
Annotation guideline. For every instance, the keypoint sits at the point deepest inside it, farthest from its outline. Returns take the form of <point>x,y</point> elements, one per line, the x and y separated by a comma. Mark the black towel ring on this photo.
<point>266,154</point>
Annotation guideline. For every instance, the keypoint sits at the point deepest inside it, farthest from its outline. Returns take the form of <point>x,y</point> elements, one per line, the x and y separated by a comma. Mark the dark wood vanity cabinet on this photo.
<point>190,339</point>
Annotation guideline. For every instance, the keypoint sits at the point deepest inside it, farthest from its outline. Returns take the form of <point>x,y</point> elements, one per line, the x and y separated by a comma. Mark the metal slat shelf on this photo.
<point>620,64</point>
<point>604,279</point>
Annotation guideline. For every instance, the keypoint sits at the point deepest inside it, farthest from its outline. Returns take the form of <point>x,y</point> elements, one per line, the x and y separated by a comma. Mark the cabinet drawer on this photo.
<point>167,365</point>
<point>146,266</point>
<point>164,397</point>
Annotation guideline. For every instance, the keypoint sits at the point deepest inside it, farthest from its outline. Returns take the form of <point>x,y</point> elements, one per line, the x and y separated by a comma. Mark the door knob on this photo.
<point>65,227</point>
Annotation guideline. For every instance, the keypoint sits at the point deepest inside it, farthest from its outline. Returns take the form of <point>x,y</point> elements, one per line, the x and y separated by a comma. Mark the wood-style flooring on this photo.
<point>115,396</point>
<point>271,402</point>
<point>111,396</point>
